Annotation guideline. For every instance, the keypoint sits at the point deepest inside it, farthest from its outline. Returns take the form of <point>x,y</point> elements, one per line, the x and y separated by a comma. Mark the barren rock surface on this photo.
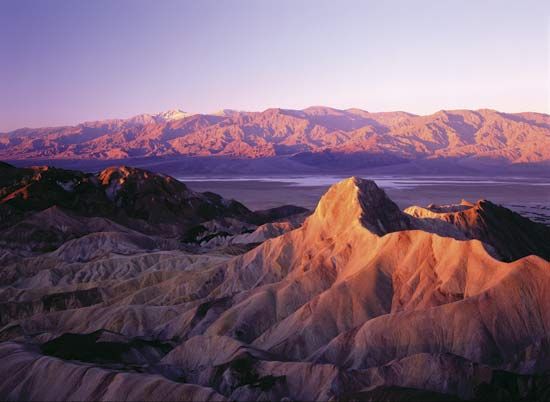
<point>360,301</point>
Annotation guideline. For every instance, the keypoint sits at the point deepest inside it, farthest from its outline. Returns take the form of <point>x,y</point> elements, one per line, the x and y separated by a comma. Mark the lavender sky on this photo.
<point>64,62</point>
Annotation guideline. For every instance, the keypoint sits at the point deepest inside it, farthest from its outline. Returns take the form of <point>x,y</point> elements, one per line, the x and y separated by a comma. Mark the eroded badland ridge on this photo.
<point>129,285</point>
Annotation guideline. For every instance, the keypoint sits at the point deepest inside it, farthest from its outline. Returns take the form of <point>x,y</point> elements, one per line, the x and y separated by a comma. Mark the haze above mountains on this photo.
<point>312,139</point>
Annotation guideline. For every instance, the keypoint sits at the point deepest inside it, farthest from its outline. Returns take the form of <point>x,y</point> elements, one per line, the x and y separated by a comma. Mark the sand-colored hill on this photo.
<point>361,301</point>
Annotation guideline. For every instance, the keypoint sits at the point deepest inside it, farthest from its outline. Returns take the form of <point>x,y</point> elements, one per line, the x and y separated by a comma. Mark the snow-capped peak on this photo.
<point>170,115</point>
<point>162,117</point>
<point>224,112</point>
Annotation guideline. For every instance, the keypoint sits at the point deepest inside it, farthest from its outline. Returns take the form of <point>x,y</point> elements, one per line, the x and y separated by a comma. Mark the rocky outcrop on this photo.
<point>510,234</point>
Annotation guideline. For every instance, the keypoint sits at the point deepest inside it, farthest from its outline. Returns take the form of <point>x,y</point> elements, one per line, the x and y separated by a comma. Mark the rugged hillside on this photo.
<point>511,235</point>
<point>41,207</point>
<point>361,301</point>
<point>311,135</point>
<point>121,193</point>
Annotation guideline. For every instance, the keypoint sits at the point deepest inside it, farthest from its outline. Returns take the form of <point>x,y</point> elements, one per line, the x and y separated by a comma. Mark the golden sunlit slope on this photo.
<point>362,298</point>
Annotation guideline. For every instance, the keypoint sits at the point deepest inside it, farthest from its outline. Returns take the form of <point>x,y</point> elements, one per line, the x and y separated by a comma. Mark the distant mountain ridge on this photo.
<point>308,134</point>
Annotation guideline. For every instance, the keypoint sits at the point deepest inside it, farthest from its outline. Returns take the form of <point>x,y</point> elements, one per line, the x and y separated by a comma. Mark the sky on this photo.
<point>68,61</point>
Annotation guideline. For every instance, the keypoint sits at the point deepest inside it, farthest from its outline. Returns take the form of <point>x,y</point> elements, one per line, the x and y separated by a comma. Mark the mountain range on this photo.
<point>128,285</point>
<point>315,136</point>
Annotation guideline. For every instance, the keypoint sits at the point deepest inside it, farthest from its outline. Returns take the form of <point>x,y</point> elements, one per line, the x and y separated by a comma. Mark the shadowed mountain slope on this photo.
<point>123,193</point>
<point>512,235</point>
<point>134,197</point>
